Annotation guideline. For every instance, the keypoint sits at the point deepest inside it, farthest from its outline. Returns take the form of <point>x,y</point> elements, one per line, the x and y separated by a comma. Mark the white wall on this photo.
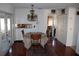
<point>71,26</point>
<point>76,29</point>
<point>6,8</point>
<point>75,38</point>
<point>61,33</point>
<point>21,18</point>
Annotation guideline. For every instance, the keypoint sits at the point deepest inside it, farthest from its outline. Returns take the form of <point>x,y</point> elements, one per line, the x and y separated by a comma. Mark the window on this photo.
<point>2,24</point>
<point>8,24</point>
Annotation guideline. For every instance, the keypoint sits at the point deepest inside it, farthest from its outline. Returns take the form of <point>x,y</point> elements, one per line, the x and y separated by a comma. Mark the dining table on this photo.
<point>28,40</point>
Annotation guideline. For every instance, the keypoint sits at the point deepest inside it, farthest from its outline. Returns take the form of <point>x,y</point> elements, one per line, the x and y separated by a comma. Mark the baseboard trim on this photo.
<point>61,43</point>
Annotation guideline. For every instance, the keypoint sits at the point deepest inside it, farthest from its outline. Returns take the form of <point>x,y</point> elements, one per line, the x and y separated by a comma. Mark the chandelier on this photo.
<point>32,16</point>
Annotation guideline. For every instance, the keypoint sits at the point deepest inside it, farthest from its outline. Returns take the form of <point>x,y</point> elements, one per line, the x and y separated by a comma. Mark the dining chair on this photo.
<point>36,38</point>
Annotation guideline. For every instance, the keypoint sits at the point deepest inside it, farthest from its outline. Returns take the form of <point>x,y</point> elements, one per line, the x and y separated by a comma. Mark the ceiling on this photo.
<point>44,5</point>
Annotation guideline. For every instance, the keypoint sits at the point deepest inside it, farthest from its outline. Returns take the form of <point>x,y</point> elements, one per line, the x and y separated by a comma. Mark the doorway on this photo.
<point>51,26</point>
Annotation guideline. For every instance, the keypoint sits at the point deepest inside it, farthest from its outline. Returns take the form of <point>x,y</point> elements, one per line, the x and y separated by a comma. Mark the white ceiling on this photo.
<point>44,5</point>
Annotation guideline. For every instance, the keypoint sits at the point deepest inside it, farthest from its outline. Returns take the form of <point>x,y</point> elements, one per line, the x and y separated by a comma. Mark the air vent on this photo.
<point>53,11</point>
<point>63,11</point>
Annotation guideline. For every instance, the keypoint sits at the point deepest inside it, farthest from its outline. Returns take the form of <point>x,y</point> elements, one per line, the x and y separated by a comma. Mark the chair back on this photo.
<point>35,36</point>
<point>22,32</point>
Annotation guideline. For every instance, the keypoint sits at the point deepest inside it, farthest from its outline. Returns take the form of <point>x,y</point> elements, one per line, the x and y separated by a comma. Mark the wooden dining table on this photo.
<point>28,40</point>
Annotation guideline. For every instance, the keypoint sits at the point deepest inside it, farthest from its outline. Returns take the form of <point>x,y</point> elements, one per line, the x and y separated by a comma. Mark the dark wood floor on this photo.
<point>52,48</point>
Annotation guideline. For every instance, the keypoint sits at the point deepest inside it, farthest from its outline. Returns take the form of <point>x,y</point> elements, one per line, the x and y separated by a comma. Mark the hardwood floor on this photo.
<point>52,48</point>
<point>58,49</point>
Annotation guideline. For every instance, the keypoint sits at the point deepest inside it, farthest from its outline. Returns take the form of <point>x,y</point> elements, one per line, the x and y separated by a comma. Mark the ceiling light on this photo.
<point>32,16</point>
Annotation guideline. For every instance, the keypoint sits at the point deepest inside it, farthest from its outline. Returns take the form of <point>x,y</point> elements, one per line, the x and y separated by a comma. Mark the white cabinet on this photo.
<point>76,34</point>
<point>19,34</point>
<point>77,45</point>
<point>4,45</point>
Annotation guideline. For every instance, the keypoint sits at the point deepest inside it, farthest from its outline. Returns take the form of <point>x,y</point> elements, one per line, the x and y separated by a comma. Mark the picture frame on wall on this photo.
<point>24,25</point>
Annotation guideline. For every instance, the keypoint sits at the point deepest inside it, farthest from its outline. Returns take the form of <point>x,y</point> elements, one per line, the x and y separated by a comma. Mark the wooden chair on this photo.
<point>36,38</point>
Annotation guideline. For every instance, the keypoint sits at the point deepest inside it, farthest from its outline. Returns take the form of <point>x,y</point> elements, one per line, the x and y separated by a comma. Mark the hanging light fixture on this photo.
<point>32,16</point>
